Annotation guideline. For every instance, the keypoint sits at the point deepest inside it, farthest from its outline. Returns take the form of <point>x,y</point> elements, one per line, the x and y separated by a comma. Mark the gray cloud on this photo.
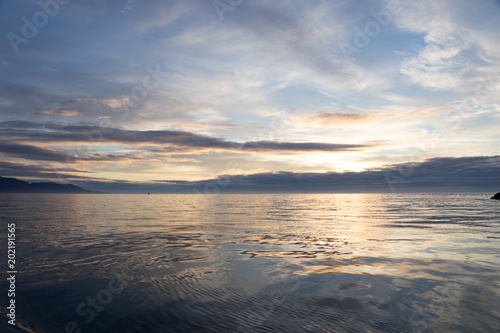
<point>336,118</point>
<point>445,173</point>
<point>88,133</point>
<point>478,173</point>
<point>31,152</point>
<point>300,146</point>
<point>13,169</point>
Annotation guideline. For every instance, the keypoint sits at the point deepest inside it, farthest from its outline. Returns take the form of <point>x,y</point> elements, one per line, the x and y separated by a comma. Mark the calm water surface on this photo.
<point>255,263</point>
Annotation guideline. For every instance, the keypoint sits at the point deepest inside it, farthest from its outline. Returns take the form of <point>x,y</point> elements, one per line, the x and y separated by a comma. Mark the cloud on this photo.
<point>31,152</point>
<point>300,146</point>
<point>478,173</point>
<point>335,118</point>
<point>114,102</point>
<point>26,100</point>
<point>59,112</point>
<point>23,170</point>
<point>458,46</point>
<point>62,133</point>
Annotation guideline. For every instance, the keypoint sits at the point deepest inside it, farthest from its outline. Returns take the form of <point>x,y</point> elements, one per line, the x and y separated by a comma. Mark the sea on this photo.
<point>252,262</point>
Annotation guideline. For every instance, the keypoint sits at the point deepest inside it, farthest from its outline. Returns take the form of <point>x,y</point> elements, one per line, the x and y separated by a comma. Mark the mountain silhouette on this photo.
<point>13,185</point>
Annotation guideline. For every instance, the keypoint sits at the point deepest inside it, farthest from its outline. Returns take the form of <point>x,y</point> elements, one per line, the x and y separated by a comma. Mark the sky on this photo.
<point>243,95</point>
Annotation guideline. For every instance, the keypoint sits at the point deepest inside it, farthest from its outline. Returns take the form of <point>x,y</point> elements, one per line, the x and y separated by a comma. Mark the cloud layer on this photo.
<point>137,91</point>
<point>435,174</point>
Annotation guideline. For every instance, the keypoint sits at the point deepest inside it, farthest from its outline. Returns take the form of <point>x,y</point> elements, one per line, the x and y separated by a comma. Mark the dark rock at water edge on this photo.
<point>13,185</point>
<point>496,196</point>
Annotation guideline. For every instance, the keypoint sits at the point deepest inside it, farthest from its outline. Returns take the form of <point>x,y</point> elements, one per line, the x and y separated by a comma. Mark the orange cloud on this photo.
<point>59,112</point>
<point>114,102</point>
<point>336,119</point>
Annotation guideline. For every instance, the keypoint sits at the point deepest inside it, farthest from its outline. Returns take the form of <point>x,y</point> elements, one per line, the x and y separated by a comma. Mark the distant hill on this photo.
<point>13,185</point>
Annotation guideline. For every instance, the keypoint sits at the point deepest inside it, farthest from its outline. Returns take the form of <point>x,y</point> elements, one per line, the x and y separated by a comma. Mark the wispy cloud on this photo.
<point>457,49</point>
<point>335,118</point>
<point>59,112</point>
